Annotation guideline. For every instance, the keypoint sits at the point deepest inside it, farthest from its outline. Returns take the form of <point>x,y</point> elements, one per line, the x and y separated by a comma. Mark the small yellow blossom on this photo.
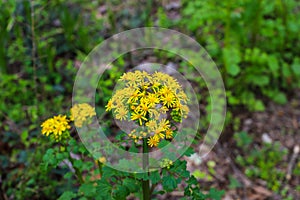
<point>109,105</point>
<point>169,134</point>
<point>153,141</point>
<point>139,117</point>
<point>121,113</point>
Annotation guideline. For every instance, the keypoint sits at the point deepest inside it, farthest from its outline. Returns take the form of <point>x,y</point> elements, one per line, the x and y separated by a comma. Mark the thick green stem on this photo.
<point>146,183</point>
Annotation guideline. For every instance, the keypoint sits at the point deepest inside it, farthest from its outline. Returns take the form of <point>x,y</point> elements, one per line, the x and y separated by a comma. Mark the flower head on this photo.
<point>81,113</point>
<point>153,101</point>
<point>56,127</point>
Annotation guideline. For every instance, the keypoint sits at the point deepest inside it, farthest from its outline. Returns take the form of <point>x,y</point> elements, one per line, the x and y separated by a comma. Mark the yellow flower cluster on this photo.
<point>80,113</point>
<point>148,99</point>
<point>56,127</point>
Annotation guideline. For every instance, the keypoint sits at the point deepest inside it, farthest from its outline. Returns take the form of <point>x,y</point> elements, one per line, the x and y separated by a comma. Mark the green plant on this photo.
<point>96,180</point>
<point>261,163</point>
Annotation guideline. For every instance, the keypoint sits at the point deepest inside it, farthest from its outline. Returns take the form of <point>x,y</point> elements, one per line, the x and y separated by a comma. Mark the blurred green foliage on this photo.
<point>261,162</point>
<point>255,44</point>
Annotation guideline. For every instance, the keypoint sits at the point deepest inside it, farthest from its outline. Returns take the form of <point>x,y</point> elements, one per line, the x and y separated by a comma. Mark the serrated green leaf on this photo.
<point>154,177</point>
<point>169,183</point>
<point>103,189</point>
<point>121,192</point>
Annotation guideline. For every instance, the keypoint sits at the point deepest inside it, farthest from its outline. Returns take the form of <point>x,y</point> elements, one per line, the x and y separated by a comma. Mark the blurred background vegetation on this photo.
<point>255,44</point>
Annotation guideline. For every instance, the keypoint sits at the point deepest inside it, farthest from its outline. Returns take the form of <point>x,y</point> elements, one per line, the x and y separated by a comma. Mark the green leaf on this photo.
<point>142,176</point>
<point>68,175</point>
<point>121,192</point>
<point>280,98</point>
<point>131,185</point>
<point>103,189</point>
<point>78,164</point>
<point>133,149</point>
<point>260,80</point>
<point>198,174</point>
<point>258,105</point>
<point>296,66</point>
<point>189,151</point>
<point>24,136</point>
<point>232,58</point>
<point>154,177</point>
<point>88,189</point>
<point>163,143</point>
<point>243,139</point>
<point>192,181</point>
<point>273,64</point>
<point>68,195</point>
<point>215,194</point>
<point>234,183</point>
<point>233,70</point>
<point>169,183</point>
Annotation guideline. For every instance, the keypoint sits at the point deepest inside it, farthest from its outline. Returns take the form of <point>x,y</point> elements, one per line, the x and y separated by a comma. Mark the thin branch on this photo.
<point>33,53</point>
<point>292,162</point>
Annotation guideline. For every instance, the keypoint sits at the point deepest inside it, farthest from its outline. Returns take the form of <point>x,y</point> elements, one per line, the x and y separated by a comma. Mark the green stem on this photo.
<point>100,168</point>
<point>146,183</point>
<point>77,172</point>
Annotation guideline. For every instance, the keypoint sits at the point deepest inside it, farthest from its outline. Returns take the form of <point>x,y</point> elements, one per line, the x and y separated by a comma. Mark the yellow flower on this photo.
<point>153,141</point>
<point>154,113</point>
<point>168,99</point>
<point>109,105</point>
<point>121,113</point>
<point>151,124</point>
<point>48,126</point>
<point>164,124</point>
<point>185,110</point>
<point>158,133</point>
<point>169,134</point>
<point>139,117</point>
<point>134,96</point>
<point>152,99</point>
<point>144,108</point>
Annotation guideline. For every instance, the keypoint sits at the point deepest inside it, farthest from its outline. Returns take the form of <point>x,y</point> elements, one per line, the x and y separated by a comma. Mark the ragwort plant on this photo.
<point>156,104</point>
